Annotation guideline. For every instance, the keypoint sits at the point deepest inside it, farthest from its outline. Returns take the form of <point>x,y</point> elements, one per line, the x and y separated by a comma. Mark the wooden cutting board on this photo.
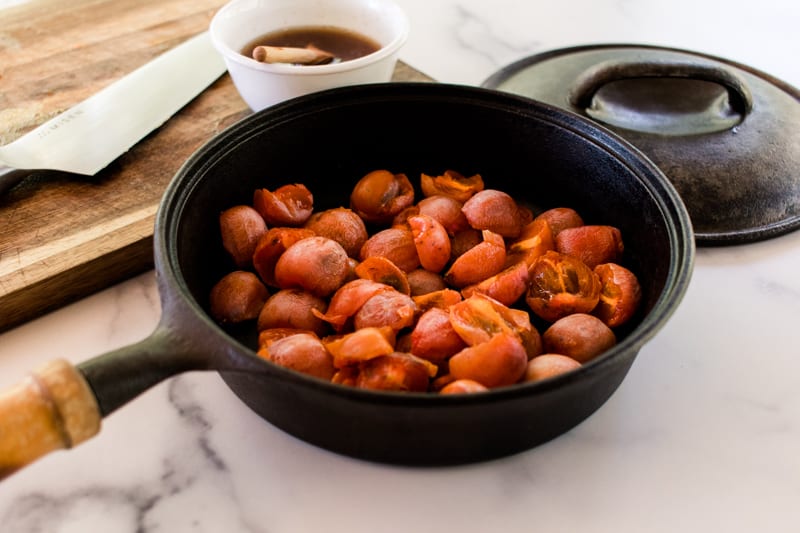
<point>64,236</point>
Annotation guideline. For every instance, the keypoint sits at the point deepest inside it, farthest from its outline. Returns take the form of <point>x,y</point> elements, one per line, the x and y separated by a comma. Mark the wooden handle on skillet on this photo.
<point>52,409</point>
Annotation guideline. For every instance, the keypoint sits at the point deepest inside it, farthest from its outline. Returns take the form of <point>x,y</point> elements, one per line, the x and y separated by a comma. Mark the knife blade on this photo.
<point>90,135</point>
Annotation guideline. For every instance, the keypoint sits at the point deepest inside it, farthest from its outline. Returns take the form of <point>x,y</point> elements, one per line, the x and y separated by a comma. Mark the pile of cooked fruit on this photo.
<point>429,295</point>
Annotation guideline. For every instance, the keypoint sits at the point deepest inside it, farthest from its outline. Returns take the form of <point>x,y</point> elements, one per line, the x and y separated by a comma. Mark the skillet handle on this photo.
<point>61,405</point>
<point>53,408</point>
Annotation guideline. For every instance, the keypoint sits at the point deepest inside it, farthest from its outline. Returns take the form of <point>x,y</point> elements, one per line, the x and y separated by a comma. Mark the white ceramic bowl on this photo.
<point>239,22</point>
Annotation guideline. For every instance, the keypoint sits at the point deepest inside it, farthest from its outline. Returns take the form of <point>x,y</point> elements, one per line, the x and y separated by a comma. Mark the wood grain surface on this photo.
<point>64,236</point>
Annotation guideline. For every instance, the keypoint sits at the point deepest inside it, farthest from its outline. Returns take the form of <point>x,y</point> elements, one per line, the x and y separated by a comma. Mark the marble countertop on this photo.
<point>703,434</point>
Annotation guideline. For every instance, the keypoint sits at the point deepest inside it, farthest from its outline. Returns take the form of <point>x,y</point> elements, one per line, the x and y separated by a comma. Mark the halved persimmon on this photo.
<point>382,270</point>
<point>347,300</point>
<point>442,299</point>
<point>620,294</point>
<point>380,195</point>
<point>479,262</point>
<point>479,317</point>
<point>432,242</point>
<point>451,183</point>
<point>534,240</point>
<point>303,353</point>
<point>506,287</point>
<point>560,285</point>
<point>359,346</point>
<point>289,205</point>
<point>395,372</point>
<point>499,361</point>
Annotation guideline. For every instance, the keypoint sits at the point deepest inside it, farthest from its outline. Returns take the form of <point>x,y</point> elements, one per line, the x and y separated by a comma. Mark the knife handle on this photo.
<point>10,177</point>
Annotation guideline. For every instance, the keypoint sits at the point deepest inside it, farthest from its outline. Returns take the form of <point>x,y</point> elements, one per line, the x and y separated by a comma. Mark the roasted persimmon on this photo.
<point>270,248</point>
<point>620,294</point>
<point>391,309</point>
<point>395,244</point>
<point>525,214</point>
<point>421,281</point>
<point>591,244</point>
<point>479,262</point>
<point>289,205</point>
<point>268,336</point>
<point>237,297</point>
<point>434,338</point>
<point>241,227</point>
<point>463,386</point>
<point>392,295</point>
<point>559,218</point>
<point>343,226</point>
<point>535,239</point>
<point>442,299</point>
<point>432,242</point>
<point>293,308</point>
<point>317,264</point>
<point>560,285</point>
<point>303,353</point>
<point>549,365</point>
<point>401,218</point>
<point>506,287</point>
<point>579,336</point>
<point>495,211</point>
<point>479,317</point>
<point>382,270</point>
<point>497,362</point>
<point>345,376</point>
<point>347,300</point>
<point>446,210</point>
<point>464,241</point>
<point>380,195</point>
<point>394,372</point>
<point>360,346</point>
<point>451,183</point>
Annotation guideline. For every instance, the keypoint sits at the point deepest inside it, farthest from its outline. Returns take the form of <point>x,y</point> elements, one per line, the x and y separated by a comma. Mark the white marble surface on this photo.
<point>703,435</point>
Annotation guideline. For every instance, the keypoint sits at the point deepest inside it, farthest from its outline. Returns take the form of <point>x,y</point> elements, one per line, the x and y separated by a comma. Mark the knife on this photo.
<point>87,137</point>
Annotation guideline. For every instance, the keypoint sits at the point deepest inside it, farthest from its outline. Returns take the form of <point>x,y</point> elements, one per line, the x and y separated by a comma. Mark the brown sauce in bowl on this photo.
<point>344,44</point>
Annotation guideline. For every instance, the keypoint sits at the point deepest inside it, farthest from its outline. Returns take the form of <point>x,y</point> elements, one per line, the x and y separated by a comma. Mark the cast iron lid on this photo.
<point>725,134</point>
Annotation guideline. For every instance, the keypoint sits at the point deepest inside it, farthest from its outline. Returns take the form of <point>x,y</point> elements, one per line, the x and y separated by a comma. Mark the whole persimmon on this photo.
<point>579,336</point>
<point>317,264</point>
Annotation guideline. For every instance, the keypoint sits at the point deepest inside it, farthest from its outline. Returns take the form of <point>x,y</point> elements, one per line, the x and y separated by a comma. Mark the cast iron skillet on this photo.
<point>543,156</point>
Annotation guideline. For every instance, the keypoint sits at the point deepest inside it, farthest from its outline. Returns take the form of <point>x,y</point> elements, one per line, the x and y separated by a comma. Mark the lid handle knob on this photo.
<point>595,77</point>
